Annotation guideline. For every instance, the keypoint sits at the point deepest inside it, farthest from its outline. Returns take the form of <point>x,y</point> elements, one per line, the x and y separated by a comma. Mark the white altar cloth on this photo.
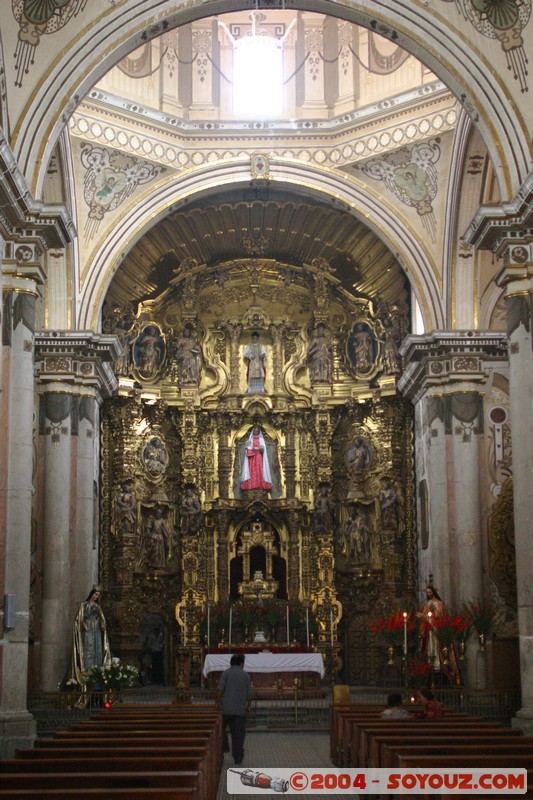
<point>268,662</point>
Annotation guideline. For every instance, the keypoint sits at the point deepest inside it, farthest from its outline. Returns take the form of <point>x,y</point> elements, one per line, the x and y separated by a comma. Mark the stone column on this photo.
<point>508,232</point>
<point>518,281</point>
<point>74,372</point>
<point>20,281</point>
<point>444,377</point>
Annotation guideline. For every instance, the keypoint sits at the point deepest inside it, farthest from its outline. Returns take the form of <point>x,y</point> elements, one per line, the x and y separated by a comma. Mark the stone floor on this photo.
<point>266,750</point>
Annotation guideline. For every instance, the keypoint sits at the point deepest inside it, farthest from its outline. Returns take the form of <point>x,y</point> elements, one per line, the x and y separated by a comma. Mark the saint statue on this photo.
<point>191,513</point>
<point>430,648</point>
<point>319,355</point>
<point>323,510</point>
<point>255,358</point>
<point>389,506</point>
<point>125,510</point>
<point>90,642</point>
<point>188,354</point>
<point>357,538</point>
<point>156,543</point>
<point>256,468</point>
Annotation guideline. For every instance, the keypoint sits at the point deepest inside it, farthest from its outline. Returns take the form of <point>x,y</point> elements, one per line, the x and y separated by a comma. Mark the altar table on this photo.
<point>270,664</point>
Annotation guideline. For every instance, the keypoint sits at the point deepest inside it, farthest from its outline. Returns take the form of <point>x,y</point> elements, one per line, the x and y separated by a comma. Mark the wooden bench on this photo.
<point>383,745</point>
<point>361,735</point>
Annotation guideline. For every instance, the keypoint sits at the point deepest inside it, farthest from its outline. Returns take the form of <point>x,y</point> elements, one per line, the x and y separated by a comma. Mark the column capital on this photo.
<point>81,361</point>
<point>449,361</point>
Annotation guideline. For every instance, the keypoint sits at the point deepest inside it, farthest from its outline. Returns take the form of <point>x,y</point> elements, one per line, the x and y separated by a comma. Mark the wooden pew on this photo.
<point>152,752</point>
<point>383,745</point>
<point>360,736</point>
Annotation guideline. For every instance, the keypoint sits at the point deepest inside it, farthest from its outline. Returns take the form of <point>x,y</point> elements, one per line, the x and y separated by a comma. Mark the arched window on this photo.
<point>257,77</point>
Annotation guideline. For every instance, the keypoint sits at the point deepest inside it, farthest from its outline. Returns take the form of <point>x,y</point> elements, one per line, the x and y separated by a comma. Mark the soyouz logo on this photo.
<point>286,780</point>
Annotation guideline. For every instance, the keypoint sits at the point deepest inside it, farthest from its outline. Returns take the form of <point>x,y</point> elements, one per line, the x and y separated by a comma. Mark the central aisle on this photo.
<point>266,750</point>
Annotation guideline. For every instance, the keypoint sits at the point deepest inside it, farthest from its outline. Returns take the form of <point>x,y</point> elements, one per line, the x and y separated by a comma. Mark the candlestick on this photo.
<point>185,627</point>
<point>288,632</point>
<point>307,625</point>
<point>230,621</point>
<point>208,625</point>
<point>331,626</point>
<point>405,618</point>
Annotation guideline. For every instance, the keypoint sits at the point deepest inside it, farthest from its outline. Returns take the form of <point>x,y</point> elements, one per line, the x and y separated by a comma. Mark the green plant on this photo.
<point>482,615</point>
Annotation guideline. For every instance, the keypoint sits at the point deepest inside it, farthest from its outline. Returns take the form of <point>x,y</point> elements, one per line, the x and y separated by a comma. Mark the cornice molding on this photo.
<point>22,214</point>
<point>496,227</point>
<point>449,360</point>
<point>80,359</point>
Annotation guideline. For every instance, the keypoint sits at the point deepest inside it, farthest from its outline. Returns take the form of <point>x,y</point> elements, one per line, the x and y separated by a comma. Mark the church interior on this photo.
<point>266,366</point>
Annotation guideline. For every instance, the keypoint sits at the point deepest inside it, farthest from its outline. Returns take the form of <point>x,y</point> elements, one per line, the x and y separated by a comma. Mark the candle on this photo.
<point>405,618</point>
<point>184,627</point>
<point>208,624</point>
<point>307,625</point>
<point>230,621</point>
<point>331,625</point>
<point>288,631</point>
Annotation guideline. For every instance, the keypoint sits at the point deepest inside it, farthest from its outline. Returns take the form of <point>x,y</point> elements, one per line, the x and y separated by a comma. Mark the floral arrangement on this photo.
<point>113,677</point>
<point>482,616</point>
<point>419,672</point>
<point>448,627</point>
<point>391,628</point>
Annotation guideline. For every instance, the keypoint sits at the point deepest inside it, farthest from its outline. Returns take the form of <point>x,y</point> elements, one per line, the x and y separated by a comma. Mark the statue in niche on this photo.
<point>320,356</point>
<point>359,455</point>
<point>323,510</point>
<point>149,351</point>
<point>391,354</point>
<point>255,359</point>
<point>191,513</point>
<point>389,506</point>
<point>357,538</point>
<point>362,348</point>
<point>188,355</point>
<point>256,467</point>
<point>155,457</point>
<point>156,542</point>
<point>125,510</point>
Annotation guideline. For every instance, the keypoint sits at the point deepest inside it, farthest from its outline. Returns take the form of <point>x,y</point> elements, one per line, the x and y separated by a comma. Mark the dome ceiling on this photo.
<point>260,222</point>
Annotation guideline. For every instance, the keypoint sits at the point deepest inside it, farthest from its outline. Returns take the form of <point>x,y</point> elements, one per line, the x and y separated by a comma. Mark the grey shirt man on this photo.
<point>236,688</point>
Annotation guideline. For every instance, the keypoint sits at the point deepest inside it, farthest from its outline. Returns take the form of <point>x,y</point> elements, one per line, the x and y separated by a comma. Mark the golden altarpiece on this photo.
<point>334,526</point>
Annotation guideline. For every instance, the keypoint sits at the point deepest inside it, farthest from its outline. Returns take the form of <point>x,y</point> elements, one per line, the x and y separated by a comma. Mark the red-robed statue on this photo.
<point>256,469</point>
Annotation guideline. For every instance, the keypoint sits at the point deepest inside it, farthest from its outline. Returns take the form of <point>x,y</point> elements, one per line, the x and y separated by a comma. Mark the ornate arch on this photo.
<point>381,219</point>
<point>429,36</point>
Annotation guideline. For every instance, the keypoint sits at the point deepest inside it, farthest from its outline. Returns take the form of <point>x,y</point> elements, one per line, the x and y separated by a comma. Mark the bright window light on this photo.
<point>257,77</point>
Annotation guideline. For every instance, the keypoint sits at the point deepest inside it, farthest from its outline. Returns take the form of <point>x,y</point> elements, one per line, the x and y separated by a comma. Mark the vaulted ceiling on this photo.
<point>260,221</point>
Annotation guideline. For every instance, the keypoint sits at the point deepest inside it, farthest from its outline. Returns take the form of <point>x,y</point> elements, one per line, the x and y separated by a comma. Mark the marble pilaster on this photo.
<point>314,87</point>
<point>74,372</point>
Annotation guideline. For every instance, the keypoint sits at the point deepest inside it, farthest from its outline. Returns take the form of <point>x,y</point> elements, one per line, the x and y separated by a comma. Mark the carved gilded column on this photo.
<point>222,555</point>
<point>290,456</point>
<point>235,330</point>
<point>277,359</point>
<point>74,373</point>
<point>224,456</point>
<point>293,565</point>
